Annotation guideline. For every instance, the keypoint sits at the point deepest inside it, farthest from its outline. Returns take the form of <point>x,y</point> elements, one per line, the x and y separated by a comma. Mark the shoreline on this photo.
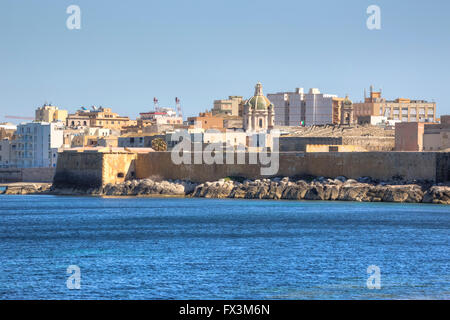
<point>319,189</point>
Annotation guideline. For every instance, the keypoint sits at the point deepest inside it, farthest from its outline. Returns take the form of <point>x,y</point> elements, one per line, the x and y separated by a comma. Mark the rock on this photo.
<point>341,178</point>
<point>353,191</point>
<point>364,180</point>
<point>437,195</point>
<point>315,192</point>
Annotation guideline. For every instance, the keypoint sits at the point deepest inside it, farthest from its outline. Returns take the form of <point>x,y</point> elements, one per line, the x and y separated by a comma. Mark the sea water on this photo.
<point>174,248</point>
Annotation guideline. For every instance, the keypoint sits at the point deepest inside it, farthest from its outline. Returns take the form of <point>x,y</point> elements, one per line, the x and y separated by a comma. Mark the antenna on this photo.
<point>177,102</point>
<point>155,104</point>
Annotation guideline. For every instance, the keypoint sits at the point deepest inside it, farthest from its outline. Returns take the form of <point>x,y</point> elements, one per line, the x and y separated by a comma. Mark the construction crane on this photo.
<point>18,117</point>
<point>177,102</point>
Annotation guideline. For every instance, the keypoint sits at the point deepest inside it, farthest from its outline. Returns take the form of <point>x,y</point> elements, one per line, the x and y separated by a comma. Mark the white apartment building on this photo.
<point>293,108</point>
<point>289,107</point>
<point>318,108</point>
<point>37,144</point>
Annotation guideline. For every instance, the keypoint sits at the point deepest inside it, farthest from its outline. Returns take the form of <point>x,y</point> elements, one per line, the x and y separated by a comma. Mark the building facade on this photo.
<point>409,136</point>
<point>228,106</point>
<point>313,108</point>
<point>99,118</point>
<point>37,144</point>
<point>206,120</point>
<point>5,152</point>
<point>436,137</point>
<point>402,110</point>
<point>49,113</point>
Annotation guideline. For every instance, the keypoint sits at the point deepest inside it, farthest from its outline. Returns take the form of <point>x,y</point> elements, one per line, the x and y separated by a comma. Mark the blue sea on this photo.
<point>170,248</point>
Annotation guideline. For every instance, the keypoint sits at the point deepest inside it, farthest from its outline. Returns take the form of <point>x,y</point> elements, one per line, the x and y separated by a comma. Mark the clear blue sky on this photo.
<point>127,52</point>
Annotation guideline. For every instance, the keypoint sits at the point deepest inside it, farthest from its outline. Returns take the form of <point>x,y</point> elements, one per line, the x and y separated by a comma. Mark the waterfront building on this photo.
<point>5,152</point>
<point>319,107</point>
<point>402,110</point>
<point>289,107</point>
<point>138,140</point>
<point>49,113</point>
<point>313,108</point>
<point>409,136</point>
<point>228,106</point>
<point>98,118</point>
<point>258,113</point>
<point>37,144</point>
<point>7,130</point>
<point>436,137</point>
<point>206,120</point>
<point>164,116</point>
<point>164,119</point>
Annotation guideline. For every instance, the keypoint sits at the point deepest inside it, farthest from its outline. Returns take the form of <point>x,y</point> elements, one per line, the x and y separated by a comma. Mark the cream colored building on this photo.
<point>228,106</point>
<point>403,110</point>
<point>436,137</point>
<point>49,113</point>
<point>99,118</point>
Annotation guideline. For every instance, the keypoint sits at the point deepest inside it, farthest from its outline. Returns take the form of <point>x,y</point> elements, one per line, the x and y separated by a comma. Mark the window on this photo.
<point>333,148</point>
<point>260,123</point>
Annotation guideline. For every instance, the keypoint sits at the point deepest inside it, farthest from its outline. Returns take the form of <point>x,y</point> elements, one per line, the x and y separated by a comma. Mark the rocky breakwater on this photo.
<point>144,187</point>
<point>25,188</point>
<point>363,189</point>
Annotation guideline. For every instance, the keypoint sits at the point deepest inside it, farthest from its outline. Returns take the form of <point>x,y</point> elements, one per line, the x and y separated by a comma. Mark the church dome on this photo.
<point>258,101</point>
<point>347,101</point>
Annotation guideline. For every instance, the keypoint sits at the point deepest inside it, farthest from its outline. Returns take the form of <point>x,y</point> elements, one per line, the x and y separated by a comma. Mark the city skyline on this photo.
<point>124,55</point>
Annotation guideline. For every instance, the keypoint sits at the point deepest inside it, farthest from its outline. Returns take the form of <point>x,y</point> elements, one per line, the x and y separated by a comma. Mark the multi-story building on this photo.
<point>164,116</point>
<point>409,136</point>
<point>7,130</point>
<point>319,107</point>
<point>402,110</point>
<point>206,120</point>
<point>138,140</point>
<point>436,137</point>
<point>228,106</point>
<point>87,137</point>
<point>313,108</point>
<point>5,152</point>
<point>289,107</point>
<point>98,118</point>
<point>49,113</point>
<point>36,144</point>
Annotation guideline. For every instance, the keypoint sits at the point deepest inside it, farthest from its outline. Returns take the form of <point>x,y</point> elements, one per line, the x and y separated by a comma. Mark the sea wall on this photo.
<point>94,169</point>
<point>82,169</point>
<point>378,165</point>
<point>27,174</point>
